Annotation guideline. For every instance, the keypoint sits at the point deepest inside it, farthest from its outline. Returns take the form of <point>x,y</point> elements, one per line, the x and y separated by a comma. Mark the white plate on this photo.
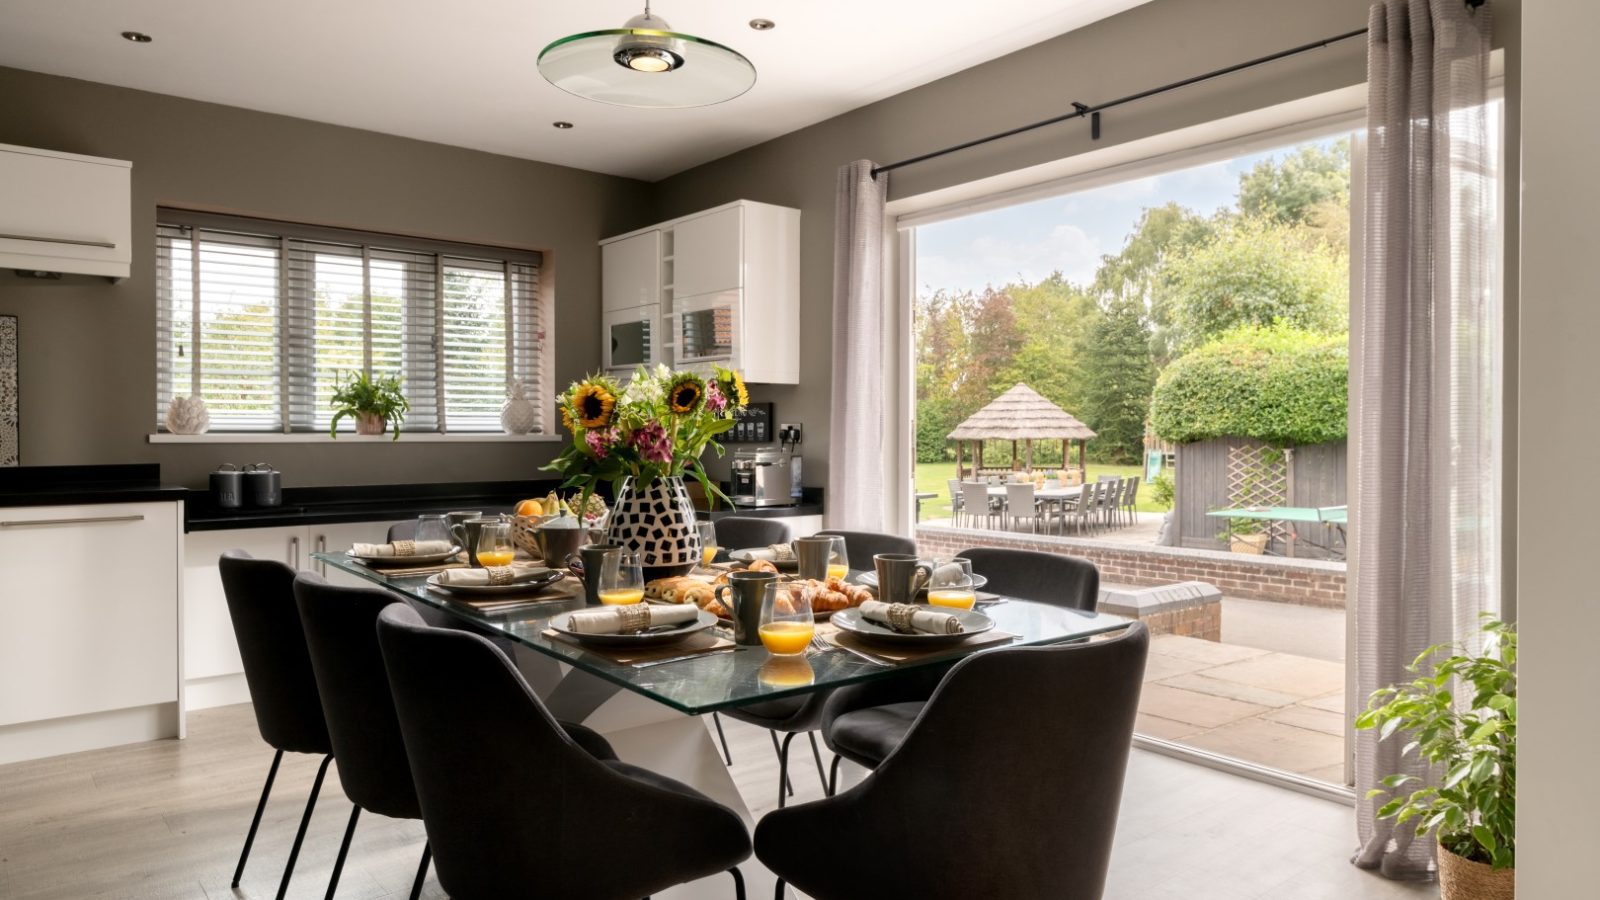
<point>399,561</point>
<point>497,590</point>
<point>702,621</point>
<point>853,621</point>
<point>749,556</point>
<point>870,579</point>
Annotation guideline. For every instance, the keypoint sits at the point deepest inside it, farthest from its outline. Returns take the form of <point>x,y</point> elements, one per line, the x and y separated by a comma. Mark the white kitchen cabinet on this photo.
<point>729,289</point>
<point>90,608</point>
<point>630,272</point>
<point>337,539</point>
<point>63,212</point>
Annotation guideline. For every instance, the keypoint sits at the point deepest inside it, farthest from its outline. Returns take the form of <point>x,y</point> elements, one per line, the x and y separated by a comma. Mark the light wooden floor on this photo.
<point>166,820</point>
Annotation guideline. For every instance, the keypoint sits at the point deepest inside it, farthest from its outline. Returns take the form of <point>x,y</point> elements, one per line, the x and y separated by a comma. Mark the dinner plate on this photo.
<point>870,579</point>
<point>853,621</point>
<point>421,559</point>
<point>552,576</point>
<point>748,556</point>
<point>652,638</point>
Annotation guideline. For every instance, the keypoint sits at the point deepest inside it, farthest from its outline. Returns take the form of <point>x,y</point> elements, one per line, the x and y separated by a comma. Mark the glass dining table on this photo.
<point>706,683</point>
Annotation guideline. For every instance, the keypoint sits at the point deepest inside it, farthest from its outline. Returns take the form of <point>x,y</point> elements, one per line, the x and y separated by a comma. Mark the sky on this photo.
<point>1070,233</point>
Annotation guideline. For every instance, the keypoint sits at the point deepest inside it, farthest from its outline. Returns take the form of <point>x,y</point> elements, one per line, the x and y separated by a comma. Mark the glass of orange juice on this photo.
<point>786,625</point>
<point>494,544</point>
<point>951,584</point>
<point>621,579</point>
<point>839,560</point>
<point>708,541</point>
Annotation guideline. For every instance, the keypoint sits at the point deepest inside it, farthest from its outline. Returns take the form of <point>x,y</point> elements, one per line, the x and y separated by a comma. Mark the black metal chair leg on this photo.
<point>422,871</point>
<point>783,767</point>
<point>344,850</point>
<point>833,775</point>
<point>727,757</point>
<point>778,894</point>
<point>738,882</point>
<point>261,805</point>
<point>784,784</point>
<point>817,755</point>
<point>305,821</point>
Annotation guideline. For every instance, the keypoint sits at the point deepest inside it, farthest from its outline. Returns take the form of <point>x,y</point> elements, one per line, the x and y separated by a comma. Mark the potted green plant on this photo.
<point>1472,746</point>
<point>1246,536</point>
<point>375,404</point>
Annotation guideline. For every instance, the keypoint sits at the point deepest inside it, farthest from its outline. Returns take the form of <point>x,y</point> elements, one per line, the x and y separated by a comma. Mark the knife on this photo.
<point>673,659</point>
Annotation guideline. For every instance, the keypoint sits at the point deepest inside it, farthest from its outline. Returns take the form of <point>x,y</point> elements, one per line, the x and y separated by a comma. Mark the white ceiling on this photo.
<point>463,72</point>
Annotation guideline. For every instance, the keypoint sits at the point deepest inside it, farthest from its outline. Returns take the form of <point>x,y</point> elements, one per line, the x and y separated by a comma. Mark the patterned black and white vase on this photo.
<point>656,521</point>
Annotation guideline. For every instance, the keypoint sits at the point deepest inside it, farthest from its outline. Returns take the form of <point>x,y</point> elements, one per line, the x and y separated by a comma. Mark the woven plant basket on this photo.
<point>1463,879</point>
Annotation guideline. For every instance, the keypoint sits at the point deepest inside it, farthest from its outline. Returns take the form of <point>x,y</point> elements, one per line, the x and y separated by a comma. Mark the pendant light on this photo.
<point>646,64</point>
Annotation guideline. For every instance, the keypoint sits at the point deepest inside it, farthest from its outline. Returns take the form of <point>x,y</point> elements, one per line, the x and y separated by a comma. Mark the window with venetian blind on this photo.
<point>264,319</point>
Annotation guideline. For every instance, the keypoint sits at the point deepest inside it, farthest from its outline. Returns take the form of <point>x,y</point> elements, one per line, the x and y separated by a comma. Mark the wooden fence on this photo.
<point>1207,477</point>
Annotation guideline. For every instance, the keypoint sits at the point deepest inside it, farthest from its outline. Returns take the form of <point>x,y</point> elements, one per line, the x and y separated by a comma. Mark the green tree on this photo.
<point>1257,272</point>
<point>1303,187</point>
<point>1118,377</point>
<point>1135,272</point>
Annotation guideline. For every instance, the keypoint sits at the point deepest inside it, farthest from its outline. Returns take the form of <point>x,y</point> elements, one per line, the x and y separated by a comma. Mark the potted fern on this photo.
<point>375,404</point>
<point>1473,746</point>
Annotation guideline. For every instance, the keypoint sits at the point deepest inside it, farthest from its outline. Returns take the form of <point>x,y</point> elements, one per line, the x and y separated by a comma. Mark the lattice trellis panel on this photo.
<point>1258,475</point>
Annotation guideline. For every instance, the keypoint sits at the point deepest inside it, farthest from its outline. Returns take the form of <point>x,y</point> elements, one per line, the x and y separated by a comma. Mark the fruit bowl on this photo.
<point>522,533</point>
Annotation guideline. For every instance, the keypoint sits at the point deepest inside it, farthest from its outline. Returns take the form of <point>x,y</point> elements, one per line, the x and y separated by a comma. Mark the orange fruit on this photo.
<point>528,508</point>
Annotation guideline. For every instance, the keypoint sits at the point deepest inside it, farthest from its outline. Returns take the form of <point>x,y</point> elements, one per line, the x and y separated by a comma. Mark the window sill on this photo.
<point>322,437</point>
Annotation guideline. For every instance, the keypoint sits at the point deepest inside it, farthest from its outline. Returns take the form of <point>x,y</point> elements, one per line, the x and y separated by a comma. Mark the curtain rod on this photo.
<point>1082,110</point>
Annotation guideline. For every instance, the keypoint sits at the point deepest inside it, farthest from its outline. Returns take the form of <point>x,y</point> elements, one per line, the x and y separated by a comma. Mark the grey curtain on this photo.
<point>856,426</point>
<point>1427,497</point>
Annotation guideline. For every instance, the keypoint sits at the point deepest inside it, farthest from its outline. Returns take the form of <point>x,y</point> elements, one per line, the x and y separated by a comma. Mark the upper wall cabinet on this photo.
<point>64,213</point>
<point>722,288</point>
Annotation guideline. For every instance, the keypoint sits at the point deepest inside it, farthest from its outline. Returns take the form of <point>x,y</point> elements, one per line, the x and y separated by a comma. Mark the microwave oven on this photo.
<point>632,338</point>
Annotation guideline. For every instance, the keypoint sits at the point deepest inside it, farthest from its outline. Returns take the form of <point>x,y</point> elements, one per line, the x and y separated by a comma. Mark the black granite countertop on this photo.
<point>73,485</point>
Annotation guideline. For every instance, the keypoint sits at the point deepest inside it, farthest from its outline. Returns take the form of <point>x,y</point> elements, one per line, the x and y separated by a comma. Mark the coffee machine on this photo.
<point>766,476</point>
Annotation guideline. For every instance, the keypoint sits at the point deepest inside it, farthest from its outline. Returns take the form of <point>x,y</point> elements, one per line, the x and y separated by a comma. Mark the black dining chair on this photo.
<point>862,546</point>
<point>513,806</point>
<point>402,531</point>
<point>1005,721</point>
<point>283,688</point>
<point>865,722</point>
<point>746,532</point>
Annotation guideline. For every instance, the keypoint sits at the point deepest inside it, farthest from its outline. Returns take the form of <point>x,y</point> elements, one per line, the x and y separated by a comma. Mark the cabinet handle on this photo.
<point>322,547</point>
<point>294,552</point>
<point>50,240</point>
<point>89,520</point>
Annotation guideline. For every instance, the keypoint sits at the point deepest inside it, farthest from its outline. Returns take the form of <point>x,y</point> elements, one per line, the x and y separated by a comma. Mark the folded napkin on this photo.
<point>493,575</point>
<point>630,619</point>
<point>947,572</point>
<point>403,548</point>
<point>774,553</point>
<point>907,618</point>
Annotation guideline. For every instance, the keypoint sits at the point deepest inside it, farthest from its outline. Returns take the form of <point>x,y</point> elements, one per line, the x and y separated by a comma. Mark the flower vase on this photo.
<point>657,521</point>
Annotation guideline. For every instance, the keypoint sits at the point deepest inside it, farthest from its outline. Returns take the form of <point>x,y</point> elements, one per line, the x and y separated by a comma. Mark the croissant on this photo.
<point>763,565</point>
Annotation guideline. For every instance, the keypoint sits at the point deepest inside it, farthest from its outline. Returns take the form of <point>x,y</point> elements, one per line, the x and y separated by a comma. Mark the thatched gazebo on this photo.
<point>1019,414</point>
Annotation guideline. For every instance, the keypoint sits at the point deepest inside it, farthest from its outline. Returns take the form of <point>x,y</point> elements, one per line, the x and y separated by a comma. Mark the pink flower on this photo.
<point>714,399</point>
<point>600,441</point>
<point>653,443</point>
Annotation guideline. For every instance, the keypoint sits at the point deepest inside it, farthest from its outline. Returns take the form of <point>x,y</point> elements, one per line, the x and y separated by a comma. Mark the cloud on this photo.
<point>987,260</point>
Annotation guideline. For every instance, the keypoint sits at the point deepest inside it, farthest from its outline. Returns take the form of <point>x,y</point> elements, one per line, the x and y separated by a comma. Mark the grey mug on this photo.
<point>591,558</point>
<point>814,554</point>
<point>461,516</point>
<point>743,595</point>
<point>901,576</point>
<point>466,534</point>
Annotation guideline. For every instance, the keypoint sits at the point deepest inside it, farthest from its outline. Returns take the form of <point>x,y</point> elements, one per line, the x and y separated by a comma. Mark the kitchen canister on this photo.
<point>263,485</point>
<point>227,486</point>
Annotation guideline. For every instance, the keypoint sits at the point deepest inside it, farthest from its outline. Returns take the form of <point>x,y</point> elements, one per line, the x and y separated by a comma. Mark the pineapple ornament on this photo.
<point>520,414</point>
<point>187,415</point>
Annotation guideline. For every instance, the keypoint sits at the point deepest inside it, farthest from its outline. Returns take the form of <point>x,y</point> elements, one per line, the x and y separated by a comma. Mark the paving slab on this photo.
<point>1233,690</point>
<point>1298,675</point>
<point>1201,650</point>
<point>1308,717</point>
<point>1273,745</point>
<point>1163,729</point>
<point>1159,666</point>
<point>1195,708</point>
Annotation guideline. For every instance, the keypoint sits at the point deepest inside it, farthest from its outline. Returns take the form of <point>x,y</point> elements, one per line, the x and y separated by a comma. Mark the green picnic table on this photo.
<point>1333,520</point>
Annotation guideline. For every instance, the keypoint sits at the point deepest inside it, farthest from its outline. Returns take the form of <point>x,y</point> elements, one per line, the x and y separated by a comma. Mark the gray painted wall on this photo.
<point>88,347</point>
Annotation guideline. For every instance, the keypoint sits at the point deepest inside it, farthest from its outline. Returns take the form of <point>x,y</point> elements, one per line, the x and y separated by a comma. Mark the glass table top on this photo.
<point>748,674</point>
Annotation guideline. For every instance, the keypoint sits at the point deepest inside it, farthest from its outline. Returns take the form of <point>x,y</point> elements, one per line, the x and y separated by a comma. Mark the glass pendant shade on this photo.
<point>646,67</point>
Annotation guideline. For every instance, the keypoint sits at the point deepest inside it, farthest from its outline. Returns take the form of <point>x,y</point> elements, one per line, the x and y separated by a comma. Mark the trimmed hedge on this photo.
<point>1276,384</point>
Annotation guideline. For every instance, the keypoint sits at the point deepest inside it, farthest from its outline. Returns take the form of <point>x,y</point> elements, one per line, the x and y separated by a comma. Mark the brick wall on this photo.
<point>1307,582</point>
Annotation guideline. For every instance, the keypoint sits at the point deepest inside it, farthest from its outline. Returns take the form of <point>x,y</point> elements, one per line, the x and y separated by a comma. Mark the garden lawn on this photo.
<point>932,478</point>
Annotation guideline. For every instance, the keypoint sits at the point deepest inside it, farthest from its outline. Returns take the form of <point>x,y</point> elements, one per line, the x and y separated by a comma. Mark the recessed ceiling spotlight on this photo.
<point>562,125</point>
<point>763,24</point>
<point>138,37</point>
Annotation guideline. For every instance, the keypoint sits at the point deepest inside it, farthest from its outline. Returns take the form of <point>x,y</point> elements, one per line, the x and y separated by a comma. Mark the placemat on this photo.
<point>410,571</point>
<point>697,644</point>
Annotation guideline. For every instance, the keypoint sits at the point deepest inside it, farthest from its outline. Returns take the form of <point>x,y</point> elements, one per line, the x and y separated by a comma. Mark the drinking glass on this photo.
<point>494,544</point>
<point>839,559</point>
<point>951,584</point>
<point>621,579</point>
<point>432,528</point>
<point>786,623</point>
<point>708,542</point>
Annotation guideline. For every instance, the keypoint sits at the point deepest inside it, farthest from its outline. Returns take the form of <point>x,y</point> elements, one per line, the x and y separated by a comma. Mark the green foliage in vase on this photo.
<point>1469,741</point>
<point>358,395</point>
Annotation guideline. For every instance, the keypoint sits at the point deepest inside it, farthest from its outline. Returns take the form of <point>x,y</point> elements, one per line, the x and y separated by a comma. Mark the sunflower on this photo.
<point>685,394</point>
<point>566,419</point>
<point>732,382</point>
<point>593,403</point>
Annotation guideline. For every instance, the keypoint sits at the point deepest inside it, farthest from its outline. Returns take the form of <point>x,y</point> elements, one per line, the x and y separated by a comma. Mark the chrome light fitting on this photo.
<point>646,64</point>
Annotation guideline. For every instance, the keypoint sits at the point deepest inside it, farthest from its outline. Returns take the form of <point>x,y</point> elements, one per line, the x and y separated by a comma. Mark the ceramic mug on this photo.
<point>814,554</point>
<point>900,576</point>
<point>589,561</point>
<point>743,595</point>
<point>466,534</point>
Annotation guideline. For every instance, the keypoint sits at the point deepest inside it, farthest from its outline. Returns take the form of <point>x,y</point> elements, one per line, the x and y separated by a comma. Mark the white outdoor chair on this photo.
<point>975,503</point>
<point>1020,505</point>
